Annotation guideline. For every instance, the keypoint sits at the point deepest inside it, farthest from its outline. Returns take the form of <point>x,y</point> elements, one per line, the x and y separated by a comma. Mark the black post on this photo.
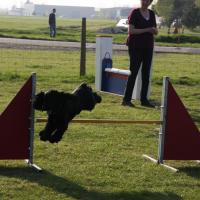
<point>83,48</point>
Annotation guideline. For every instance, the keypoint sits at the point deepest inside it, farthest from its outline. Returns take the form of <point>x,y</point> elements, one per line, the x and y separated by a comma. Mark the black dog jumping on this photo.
<point>62,107</point>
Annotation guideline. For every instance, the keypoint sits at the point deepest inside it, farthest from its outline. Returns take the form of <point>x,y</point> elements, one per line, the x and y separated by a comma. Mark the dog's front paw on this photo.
<point>55,138</point>
<point>43,136</point>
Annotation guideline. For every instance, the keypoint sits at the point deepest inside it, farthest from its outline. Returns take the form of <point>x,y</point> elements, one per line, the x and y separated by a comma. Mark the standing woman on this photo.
<point>140,42</point>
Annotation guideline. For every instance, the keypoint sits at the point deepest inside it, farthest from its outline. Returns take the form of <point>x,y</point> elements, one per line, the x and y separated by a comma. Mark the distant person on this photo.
<point>140,42</point>
<point>52,23</point>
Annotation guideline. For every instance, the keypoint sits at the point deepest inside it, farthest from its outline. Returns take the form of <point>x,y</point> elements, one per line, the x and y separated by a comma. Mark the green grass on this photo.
<point>99,162</point>
<point>37,28</point>
<point>70,30</point>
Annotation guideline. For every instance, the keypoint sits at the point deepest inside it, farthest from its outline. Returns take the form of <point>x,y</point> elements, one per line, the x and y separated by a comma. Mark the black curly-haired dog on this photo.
<point>62,107</point>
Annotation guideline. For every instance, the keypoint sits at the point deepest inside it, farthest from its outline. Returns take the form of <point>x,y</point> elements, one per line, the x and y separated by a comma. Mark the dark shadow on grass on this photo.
<point>191,171</point>
<point>76,191</point>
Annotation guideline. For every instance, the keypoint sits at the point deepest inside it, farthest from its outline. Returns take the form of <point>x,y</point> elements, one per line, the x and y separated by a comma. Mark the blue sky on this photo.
<point>93,3</point>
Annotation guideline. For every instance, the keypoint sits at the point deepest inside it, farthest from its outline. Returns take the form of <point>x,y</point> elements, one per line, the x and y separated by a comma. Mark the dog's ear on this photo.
<point>83,85</point>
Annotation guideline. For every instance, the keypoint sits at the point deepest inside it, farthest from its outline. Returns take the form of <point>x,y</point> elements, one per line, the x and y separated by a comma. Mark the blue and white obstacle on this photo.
<point>109,79</point>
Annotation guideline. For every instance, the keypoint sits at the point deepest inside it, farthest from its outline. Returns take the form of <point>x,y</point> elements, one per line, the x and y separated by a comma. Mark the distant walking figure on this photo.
<point>52,23</point>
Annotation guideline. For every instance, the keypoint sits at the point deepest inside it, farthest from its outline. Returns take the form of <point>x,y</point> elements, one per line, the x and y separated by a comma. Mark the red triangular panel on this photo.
<point>182,137</point>
<point>15,124</point>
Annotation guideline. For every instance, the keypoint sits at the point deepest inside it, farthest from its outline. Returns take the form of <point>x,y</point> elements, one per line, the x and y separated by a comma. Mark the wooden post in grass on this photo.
<point>83,48</point>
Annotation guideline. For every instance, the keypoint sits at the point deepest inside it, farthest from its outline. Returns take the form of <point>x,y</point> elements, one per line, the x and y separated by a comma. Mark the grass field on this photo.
<point>99,162</point>
<point>69,30</point>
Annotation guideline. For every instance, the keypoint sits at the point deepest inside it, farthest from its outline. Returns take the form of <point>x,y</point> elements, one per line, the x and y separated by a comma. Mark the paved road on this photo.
<point>60,45</point>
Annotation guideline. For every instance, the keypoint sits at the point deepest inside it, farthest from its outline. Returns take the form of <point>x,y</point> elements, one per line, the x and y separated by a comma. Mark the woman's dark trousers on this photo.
<point>139,57</point>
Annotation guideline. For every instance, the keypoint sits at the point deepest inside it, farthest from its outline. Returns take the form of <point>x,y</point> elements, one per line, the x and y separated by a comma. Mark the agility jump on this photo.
<point>179,137</point>
<point>107,121</point>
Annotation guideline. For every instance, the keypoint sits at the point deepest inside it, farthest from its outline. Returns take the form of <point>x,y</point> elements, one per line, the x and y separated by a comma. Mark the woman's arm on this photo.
<point>136,31</point>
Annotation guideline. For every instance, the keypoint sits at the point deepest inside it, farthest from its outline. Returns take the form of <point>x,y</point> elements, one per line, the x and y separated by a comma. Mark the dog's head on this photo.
<point>88,98</point>
<point>38,102</point>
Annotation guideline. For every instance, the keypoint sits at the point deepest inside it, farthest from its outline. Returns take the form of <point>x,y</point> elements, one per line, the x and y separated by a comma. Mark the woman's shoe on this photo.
<point>146,103</point>
<point>127,103</point>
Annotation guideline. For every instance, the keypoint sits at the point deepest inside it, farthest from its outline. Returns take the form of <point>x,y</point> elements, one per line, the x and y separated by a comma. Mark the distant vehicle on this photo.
<point>122,23</point>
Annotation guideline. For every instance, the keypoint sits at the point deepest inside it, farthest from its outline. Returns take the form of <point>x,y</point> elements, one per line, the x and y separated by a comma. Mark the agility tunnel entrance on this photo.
<point>17,125</point>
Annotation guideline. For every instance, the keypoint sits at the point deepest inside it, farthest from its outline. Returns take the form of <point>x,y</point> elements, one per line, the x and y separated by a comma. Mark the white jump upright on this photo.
<point>111,79</point>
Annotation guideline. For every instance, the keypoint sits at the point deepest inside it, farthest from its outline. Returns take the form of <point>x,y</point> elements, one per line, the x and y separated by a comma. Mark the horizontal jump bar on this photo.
<point>107,121</point>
